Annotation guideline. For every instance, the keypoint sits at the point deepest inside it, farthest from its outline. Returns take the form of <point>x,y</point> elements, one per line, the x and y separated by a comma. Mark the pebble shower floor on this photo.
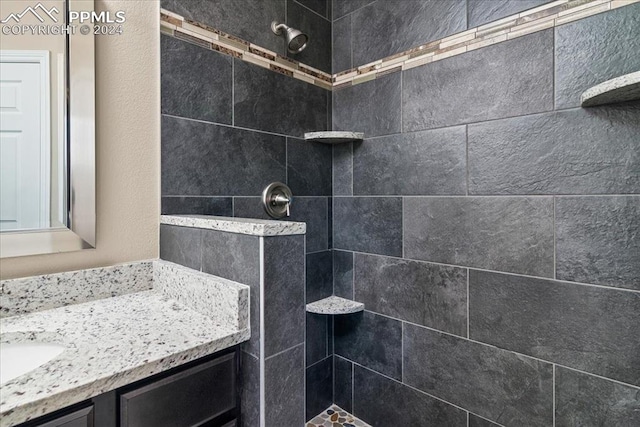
<point>335,416</point>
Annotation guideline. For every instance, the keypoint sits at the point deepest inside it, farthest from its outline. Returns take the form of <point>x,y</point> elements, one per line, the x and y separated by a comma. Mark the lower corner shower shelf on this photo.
<point>335,305</point>
<point>621,89</point>
<point>334,137</point>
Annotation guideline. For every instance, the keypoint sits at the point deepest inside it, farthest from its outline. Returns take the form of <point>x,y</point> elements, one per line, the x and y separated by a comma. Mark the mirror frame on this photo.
<point>80,159</point>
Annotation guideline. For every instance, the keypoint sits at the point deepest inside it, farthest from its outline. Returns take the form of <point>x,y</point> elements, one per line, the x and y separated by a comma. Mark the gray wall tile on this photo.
<point>319,6</point>
<point>372,107</point>
<point>494,383</point>
<point>343,7</point>
<point>277,103</point>
<point>426,294</point>
<point>512,234</point>
<point>316,338</point>
<point>196,82</point>
<point>220,206</point>
<point>368,224</point>
<point>343,170</point>
<point>284,388</point>
<point>319,276</point>
<point>343,383</point>
<point>318,51</point>
<point>583,400</point>
<point>209,160</point>
<point>311,210</point>
<point>385,28</point>
<point>591,151</point>
<point>597,240</point>
<point>284,306</point>
<point>250,390</point>
<point>384,402</point>
<point>343,274</point>
<point>504,80</point>
<point>308,168</point>
<point>420,163</point>
<point>319,387</point>
<point>606,45</point>
<point>482,12</point>
<point>579,326</point>
<point>247,19</point>
<point>475,421</point>
<point>341,46</point>
<point>182,245</point>
<point>357,338</point>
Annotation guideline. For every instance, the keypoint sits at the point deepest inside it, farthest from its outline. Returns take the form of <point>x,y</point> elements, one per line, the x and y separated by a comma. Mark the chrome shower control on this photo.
<point>277,199</point>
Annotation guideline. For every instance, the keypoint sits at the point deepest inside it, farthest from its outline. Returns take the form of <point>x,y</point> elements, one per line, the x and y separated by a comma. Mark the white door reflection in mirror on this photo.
<point>24,140</point>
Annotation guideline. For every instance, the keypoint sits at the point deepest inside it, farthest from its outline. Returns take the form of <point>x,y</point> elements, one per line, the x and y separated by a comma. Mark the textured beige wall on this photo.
<point>127,148</point>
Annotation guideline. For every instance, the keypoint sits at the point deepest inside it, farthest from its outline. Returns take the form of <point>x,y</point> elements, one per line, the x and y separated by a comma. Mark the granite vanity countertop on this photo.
<point>110,343</point>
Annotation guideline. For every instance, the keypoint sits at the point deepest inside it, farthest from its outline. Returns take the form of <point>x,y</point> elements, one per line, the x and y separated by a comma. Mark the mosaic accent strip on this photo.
<point>533,20</point>
<point>335,416</point>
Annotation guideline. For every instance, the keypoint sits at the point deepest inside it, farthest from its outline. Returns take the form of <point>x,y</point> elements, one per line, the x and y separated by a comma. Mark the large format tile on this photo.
<point>196,82</point>
<point>343,274</point>
<point>475,421</point>
<point>385,28</point>
<point>182,245</point>
<point>606,45</point>
<point>418,292</point>
<point>277,103</point>
<point>357,337</point>
<point>598,240</point>
<point>343,170</point>
<point>507,79</point>
<point>309,168</point>
<point>582,400</point>
<point>311,210</point>
<point>513,234</point>
<point>372,107</point>
<point>584,327</point>
<point>218,206</point>
<point>384,402</point>
<point>319,387</point>
<point>284,305</point>
<point>343,7</point>
<point>420,163</point>
<point>316,338</point>
<point>284,388</point>
<point>250,390</point>
<point>368,224</point>
<point>248,19</point>
<point>343,383</point>
<point>567,152</point>
<point>497,384</point>
<point>341,48</point>
<point>321,7</point>
<point>318,51</point>
<point>319,276</point>
<point>482,12</point>
<point>200,159</point>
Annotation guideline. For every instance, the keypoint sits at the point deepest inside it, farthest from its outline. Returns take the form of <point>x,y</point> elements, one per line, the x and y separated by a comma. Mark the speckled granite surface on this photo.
<point>621,89</point>
<point>334,137</point>
<point>115,341</point>
<point>254,227</point>
<point>335,305</point>
<point>21,296</point>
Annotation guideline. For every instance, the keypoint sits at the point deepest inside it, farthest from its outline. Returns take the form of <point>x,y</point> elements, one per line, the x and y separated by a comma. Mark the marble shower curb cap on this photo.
<point>621,89</point>
<point>252,227</point>
<point>335,305</point>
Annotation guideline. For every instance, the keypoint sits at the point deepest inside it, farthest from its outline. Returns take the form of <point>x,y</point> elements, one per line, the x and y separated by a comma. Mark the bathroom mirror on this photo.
<point>47,128</point>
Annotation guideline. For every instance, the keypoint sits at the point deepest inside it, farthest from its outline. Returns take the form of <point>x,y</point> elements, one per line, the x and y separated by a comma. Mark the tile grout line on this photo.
<point>311,10</point>
<point>554,395</point>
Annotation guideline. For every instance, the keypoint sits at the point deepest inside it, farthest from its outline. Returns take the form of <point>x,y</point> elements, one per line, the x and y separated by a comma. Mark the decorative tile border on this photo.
<point>537,19</point>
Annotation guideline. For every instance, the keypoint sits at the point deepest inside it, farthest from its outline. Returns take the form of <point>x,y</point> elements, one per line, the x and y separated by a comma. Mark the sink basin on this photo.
<point>17,359</point>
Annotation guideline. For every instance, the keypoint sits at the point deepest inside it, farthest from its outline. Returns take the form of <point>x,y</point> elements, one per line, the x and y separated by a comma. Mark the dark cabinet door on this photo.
<point>80,418</point>
<point>189,398</point>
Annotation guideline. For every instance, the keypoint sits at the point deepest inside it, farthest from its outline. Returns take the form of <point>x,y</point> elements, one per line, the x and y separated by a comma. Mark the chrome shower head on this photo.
<point>296,39</point>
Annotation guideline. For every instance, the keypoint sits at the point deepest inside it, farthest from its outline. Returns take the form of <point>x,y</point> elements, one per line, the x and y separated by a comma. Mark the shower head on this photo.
<point>296,39</point>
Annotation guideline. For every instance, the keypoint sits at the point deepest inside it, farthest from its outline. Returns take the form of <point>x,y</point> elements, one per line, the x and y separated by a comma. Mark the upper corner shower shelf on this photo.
<point>334,137</point>
<point>335,305</point>
<point>621,89</point>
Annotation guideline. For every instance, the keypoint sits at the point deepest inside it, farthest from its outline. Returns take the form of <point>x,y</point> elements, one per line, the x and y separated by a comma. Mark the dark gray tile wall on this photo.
<point>319,387</point>
<point>317,338</point>
<point>319,276</point>
<point>284,388</point>
<point>586,400</point>
<point>309,167</point>
<point>341,53</point>
<point>495,172</point>
<point>482,12</point>
<point>181,245</point>
<point>220,206</point>
<point>583,327</point>
<point>250,390</point>
<point>318,51</point>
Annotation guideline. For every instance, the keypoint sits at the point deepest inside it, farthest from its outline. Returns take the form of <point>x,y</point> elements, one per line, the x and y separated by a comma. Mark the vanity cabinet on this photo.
<point>201,393</point>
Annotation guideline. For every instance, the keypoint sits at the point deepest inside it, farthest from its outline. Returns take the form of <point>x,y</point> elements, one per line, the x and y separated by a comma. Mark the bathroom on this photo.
<point>286,213</point>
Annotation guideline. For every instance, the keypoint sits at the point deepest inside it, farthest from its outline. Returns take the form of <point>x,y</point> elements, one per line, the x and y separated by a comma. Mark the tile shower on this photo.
<point>488,223</point>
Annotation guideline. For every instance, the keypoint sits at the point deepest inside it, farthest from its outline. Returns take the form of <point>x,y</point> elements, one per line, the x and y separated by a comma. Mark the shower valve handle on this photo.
<point>277,199</point>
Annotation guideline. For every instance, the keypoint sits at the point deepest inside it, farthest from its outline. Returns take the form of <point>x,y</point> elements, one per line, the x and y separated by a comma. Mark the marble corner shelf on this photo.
<point>335,305</point>
<point>621,89</point>
<point>334,137</point>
